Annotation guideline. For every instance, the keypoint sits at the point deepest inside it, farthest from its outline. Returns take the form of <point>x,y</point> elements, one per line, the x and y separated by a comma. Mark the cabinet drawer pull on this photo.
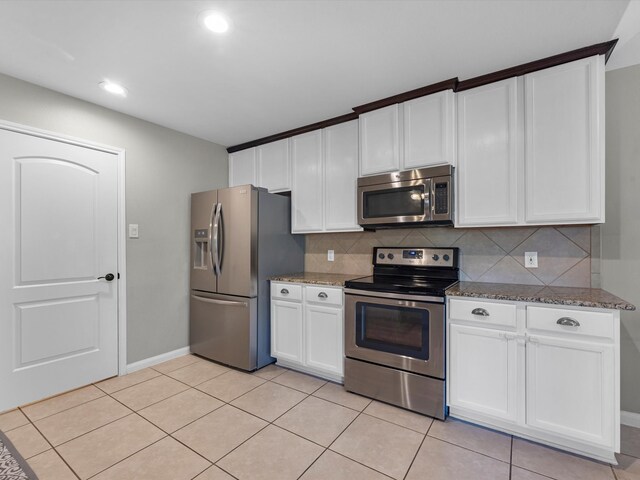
<point>568,322</point>
<point>480,311</point>
<point>284,291</point>
<point>322,295</point>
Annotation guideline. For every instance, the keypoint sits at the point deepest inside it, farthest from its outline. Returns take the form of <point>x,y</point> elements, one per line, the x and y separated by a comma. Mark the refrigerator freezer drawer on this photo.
<point>224,328</point>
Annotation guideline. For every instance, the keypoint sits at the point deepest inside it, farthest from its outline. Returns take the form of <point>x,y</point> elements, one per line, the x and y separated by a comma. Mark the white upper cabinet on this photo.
<point>564,154</point>
<point>266,166</point>
<point>489,153</point>
<point>531,149</point>
<point>414,134</point>
<point>307,201</point>
<point>429,130</point>
<point>380,140</point>
<point>242,167</point>
<point>341,176</point>
<point>274,166</point>
<point>325,177</point>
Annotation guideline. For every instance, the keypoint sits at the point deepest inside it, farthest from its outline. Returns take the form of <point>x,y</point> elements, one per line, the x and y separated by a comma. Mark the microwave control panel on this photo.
<point>441,200</point>
<point>416,257</point>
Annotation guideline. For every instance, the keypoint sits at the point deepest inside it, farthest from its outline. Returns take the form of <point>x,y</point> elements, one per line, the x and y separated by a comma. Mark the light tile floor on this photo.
<point>193,419</point>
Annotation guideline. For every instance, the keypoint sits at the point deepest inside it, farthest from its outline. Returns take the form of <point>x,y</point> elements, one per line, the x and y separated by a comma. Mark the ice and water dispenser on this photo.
<point>201,246</point>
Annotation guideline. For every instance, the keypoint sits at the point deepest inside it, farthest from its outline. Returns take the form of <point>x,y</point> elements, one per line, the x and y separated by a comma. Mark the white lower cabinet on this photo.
<point>323,338</point>
<point>552,375</point>
<point>570,387</point>
<point>307,332</point>
<point>286,330</point>
<point>482,373</point>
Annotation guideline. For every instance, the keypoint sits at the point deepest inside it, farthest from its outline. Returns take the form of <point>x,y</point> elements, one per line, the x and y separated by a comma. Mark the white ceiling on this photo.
<point>283,64</point>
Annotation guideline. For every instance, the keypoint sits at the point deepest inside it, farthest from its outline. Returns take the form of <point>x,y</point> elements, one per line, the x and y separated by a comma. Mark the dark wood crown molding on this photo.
<point>410,95</point>
<point>598,49</point>
<point>604,48</point>
<point>296,131</point>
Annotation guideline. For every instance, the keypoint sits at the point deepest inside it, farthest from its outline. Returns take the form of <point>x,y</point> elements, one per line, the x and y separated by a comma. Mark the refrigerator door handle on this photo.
<point>215,220</point>
<point>221,240</point>
<point>219,302</point>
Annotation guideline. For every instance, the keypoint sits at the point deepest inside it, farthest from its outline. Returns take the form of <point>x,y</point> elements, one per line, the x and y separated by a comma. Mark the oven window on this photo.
<point>393,329</point>
<point>394,202</point>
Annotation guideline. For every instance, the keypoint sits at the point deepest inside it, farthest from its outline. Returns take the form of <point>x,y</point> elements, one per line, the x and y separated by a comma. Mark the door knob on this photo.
<point>108,277</point>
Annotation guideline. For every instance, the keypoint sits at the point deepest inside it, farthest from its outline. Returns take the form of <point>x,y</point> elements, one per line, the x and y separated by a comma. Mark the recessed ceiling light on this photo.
<point>215,22</point>
<point>114,88</point>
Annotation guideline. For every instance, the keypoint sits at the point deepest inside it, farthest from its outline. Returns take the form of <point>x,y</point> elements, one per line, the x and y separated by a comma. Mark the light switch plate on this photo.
<point>330,255</point>
<point>133,230</point>
<point>531,259</point>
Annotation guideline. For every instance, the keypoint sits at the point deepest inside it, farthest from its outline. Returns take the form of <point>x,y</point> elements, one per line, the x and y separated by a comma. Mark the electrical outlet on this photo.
<point>133,230</point>
<point>330,255</point>
<point>531,259</point>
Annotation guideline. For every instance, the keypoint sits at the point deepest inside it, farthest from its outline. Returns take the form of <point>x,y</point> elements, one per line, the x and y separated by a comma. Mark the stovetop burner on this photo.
<point>402,284</point>
<point>414,271</point>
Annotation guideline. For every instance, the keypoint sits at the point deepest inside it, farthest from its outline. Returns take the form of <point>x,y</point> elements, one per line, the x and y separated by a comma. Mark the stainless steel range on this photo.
<point>395,328</point>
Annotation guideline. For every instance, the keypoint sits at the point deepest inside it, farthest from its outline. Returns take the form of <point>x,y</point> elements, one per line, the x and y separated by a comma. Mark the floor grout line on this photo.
<point>92,430</point>
<point>127,457</point>
<point>54,449</point>
<point>468,449</point>
<point>21,408</point>
<point>511,458</point>
<point>347,457</point>
<point>415,455</point>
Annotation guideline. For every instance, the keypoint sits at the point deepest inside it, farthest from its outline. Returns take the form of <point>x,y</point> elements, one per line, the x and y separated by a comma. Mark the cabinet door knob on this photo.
<point>480,311</point>
<point>284,291</point>
<point>568,322</point>
<point>322,295</point>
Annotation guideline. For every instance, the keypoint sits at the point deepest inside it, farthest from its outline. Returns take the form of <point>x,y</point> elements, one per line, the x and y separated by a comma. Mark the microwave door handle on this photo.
<point>215,260</point>
<point>428,211</point>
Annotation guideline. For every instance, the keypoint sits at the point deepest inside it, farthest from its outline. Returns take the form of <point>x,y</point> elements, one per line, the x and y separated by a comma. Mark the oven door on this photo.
<point>396,202</point>
<point>400,333</point>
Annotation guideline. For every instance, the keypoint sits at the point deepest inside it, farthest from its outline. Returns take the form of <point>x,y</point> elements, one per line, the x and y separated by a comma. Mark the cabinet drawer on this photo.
<point>486,313</point>
<point>286,291</point>
<point>598,324</point>
<point>323,295</point>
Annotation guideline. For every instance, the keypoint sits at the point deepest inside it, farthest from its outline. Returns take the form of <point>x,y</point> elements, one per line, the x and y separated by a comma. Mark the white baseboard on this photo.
<point>163,357</point>
<point>631,419</point>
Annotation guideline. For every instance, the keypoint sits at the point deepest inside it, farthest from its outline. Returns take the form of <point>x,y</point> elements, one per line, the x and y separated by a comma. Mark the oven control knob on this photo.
<point>381,256</point>
<point>445,258</point>
<point>436,258</point>
<point>390,256</point>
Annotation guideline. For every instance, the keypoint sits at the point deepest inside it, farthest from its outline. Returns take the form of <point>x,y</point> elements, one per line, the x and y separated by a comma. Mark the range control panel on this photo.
<point>416,257</point>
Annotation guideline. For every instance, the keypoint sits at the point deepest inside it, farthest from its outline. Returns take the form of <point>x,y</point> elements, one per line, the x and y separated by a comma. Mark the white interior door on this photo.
<point>58,322</point>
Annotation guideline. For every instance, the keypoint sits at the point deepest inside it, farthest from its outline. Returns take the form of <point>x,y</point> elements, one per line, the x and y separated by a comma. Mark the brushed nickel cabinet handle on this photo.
<point>568,322</point>
<point>322,295</point>
<point>284,291</point>
<point>480,311</point>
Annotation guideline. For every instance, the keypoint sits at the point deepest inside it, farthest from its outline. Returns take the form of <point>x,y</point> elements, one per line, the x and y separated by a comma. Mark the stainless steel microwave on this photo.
<point>415,197</point>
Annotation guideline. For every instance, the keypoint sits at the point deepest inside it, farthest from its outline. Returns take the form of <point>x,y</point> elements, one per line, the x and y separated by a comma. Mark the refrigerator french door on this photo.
<point>239,237</point>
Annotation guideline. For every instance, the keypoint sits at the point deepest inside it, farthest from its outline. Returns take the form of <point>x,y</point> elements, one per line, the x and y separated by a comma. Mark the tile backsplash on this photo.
<point>486,254</point>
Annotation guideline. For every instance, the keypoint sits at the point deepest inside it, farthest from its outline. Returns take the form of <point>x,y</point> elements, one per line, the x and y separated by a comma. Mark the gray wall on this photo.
<point>162,168</point>
<point>620,263</point>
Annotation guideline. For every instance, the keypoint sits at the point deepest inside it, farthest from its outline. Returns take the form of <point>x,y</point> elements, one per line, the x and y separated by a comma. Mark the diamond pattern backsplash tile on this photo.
<point>486,254</point>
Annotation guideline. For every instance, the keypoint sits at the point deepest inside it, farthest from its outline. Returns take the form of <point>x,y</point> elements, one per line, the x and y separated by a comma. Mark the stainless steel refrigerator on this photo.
<point>240,236</point>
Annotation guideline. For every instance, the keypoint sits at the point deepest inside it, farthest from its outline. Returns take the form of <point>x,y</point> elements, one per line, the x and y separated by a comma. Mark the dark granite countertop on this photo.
<point>315,278</point>
<point>578,297</point>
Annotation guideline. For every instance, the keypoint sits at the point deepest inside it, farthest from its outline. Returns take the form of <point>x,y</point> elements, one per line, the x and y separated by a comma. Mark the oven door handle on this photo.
<point>395,296</point>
